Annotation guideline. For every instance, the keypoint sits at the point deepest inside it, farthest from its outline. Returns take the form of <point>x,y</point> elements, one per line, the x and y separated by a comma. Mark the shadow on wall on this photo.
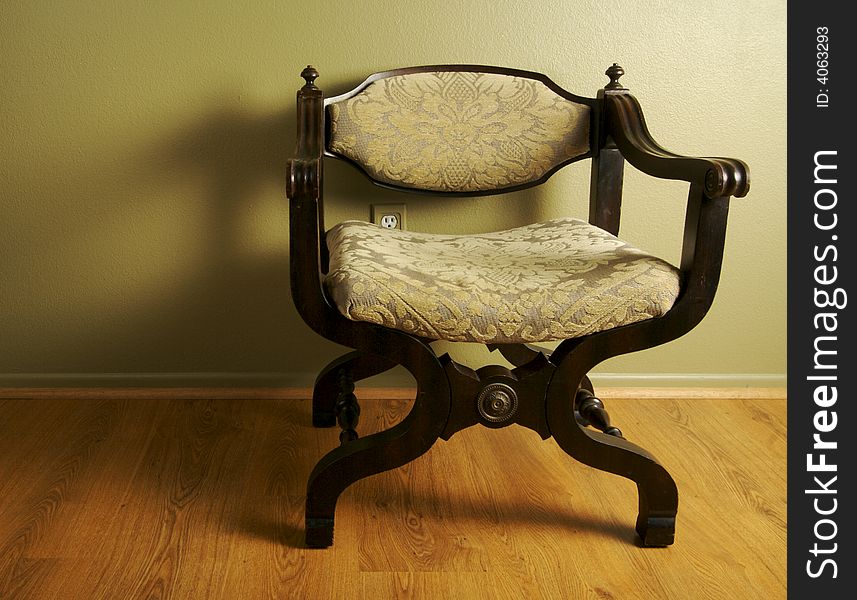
<point>235,313</point>
<point>170,258</point>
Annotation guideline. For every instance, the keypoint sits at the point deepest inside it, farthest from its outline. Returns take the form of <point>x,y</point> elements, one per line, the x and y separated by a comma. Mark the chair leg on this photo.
<point>658,495</point>
<point>362,457</point>
<point>335,377</point>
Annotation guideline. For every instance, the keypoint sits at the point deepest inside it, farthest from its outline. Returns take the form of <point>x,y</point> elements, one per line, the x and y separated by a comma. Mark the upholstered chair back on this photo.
<point>459,131</point>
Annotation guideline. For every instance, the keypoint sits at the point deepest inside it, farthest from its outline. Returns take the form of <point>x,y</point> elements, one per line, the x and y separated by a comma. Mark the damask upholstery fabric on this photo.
<point>458,131</point>
<point>550,281</point>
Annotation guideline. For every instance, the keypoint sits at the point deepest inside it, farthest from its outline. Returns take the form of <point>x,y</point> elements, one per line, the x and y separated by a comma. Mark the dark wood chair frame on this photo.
<point>552,393</point>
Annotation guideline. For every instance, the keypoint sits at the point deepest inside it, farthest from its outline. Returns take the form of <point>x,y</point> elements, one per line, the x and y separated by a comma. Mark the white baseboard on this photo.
<point>397,378</point>
<point>689,380</point>
<point>156,380</point>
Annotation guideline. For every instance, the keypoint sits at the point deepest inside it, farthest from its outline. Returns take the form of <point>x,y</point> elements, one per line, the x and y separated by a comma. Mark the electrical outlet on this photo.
<point>390,216</point>
<point>390,221</point>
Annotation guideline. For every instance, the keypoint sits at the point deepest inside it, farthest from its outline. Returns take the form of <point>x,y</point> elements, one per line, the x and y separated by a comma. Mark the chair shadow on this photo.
<point>230,310</point>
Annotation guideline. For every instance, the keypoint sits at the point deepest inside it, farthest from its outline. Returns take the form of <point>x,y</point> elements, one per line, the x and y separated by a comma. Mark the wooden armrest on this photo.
<point>304,177</point>
<point>625,124</point>
<point>304,170</point>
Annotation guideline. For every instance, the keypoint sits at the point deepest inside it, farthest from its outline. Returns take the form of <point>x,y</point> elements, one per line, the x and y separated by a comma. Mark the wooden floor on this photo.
<point>189,498</point>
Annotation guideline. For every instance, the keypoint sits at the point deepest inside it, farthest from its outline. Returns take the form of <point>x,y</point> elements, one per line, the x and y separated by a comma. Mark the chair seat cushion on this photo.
<point>549,281</point>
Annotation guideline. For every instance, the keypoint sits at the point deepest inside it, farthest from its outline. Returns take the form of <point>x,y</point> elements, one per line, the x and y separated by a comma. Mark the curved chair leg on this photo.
<point>658,495</point>
<point>349,367</point>
<point>379,452</point>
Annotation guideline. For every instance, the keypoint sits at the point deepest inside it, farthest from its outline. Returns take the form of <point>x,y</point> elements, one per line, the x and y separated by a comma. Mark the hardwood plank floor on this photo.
<point>125,496</point>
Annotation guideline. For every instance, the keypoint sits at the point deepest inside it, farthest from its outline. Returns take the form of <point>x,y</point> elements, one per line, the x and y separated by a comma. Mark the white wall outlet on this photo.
<point>390,221</point>
<point>389,216</point>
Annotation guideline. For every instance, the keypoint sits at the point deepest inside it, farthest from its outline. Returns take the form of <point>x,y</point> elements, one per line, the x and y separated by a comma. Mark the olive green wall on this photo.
<point>143,226</point>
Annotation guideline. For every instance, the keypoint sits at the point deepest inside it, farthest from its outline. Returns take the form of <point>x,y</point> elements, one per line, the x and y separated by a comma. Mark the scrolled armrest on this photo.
<point>304,177</point>
<point>625,124</point>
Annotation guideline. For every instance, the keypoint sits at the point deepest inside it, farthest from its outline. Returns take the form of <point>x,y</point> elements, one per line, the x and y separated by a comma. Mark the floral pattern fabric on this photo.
<point>454,131</point>
<point>551,281</point>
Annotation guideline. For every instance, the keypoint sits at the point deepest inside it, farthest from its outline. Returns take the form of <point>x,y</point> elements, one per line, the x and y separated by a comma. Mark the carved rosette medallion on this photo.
<point>497,402</point>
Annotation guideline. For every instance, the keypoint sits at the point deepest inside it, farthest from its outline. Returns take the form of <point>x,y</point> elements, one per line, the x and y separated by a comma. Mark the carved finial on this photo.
<point>614,73</point>
<point>310,75</point>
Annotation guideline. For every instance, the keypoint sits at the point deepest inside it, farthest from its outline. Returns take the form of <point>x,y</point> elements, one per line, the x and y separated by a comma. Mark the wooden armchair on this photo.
<point>469,130</point>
